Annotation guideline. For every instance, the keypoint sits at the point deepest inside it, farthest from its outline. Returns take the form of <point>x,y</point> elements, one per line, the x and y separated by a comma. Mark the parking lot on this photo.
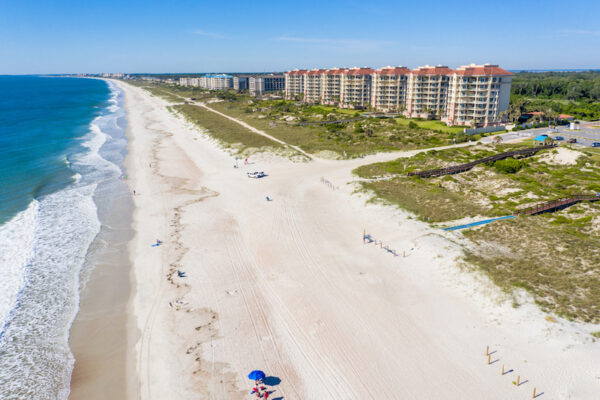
<point>584,136</point>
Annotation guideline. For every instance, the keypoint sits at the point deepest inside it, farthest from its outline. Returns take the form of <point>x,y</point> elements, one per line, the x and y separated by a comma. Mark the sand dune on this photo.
<point>288,287</point>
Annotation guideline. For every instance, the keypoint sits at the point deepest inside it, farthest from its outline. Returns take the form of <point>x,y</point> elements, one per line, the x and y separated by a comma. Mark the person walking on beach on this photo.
<point>134,192</point>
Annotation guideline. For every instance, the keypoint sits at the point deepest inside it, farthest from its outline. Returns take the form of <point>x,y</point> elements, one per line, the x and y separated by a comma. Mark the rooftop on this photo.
<point>430,70</point>
<point>485,69</point>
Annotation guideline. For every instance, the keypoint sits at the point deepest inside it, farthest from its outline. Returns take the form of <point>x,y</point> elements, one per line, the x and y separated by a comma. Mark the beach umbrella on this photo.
<point>256,375</point>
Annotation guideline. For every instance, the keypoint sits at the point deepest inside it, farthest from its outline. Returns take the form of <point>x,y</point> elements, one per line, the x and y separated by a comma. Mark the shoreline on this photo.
<point>287,286</point>
<point>101,333</point>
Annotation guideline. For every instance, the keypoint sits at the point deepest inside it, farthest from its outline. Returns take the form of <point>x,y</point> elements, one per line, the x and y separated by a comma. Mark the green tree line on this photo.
<point>558,85</point>
<point>572,93</point>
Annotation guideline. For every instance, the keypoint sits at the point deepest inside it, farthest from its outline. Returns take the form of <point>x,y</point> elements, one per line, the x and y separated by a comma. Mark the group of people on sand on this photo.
<point>260,391</point>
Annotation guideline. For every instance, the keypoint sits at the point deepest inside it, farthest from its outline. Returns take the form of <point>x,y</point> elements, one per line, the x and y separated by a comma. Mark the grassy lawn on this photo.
<point>432,124</point>
<point>226,131</point>
<point>555,256</point>
<point>330,109</point>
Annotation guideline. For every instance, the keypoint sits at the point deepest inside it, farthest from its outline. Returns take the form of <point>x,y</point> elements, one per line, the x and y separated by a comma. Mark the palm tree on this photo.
<point>551,116</point>
<point>515,111</point>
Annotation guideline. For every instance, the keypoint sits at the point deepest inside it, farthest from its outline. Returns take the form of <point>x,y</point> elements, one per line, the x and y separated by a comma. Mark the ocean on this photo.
<point>62,146</point>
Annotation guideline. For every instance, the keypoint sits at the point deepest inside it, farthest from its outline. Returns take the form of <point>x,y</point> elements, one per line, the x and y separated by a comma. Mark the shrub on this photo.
<point>508,165</point>
<point>358,128</point>
<point>413,125</point>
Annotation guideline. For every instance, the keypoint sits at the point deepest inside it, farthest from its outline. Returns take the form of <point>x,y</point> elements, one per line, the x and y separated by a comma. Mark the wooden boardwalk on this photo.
<point>455,169</point>
<point>557,204</point>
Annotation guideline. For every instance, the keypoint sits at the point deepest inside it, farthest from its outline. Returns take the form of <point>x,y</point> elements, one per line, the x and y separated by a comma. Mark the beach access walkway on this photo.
<point>288,287</point>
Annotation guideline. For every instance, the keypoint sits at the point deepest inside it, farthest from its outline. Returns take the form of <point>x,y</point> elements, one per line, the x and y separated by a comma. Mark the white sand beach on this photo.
<point>287,286</point>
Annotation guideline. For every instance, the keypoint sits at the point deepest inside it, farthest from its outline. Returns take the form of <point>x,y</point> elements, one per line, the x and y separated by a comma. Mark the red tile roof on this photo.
<point>335,71</point>
<point>359,71</point>
<point>432,71</point>
<point>316,72</point>
<point>393,71</point>
<point>481,70</point>
<point>560,116</point>
<point>296,72</point>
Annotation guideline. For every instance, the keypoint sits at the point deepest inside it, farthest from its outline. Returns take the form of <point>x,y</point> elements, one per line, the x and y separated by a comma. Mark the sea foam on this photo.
<point>41,255</point>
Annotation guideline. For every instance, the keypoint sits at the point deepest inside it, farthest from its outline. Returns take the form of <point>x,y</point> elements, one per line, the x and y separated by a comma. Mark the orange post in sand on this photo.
<point>533,397</point>
<point>518,380</point>
<point>489,359</point>
<point>403,253</point>
<point>502,369</point>
<point>487,350</point>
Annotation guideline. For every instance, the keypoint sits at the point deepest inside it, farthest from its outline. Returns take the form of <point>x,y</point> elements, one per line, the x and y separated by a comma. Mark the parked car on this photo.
<point>596,144</point>
<point>256,174</point>
<point>572,140</point>
<point>559,138</point>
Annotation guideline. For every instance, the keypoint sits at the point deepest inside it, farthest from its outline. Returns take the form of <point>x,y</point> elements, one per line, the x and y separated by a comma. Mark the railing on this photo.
<point>455,169</point>
<point>556,204</point>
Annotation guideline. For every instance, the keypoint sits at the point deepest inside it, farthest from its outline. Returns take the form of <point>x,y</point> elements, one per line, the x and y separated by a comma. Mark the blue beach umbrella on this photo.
<point>256,375</point>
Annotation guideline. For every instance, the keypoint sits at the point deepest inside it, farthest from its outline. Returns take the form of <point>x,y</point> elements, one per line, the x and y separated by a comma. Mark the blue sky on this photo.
<point>202,36</point>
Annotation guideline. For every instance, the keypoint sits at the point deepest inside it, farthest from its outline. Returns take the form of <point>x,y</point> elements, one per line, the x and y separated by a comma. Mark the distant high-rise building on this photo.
<point>262,84</point>
<point>240,83</point>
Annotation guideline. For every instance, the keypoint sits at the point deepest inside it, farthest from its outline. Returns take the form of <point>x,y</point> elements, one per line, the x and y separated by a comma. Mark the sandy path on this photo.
<point>288,287</point>
<point>253,129</point>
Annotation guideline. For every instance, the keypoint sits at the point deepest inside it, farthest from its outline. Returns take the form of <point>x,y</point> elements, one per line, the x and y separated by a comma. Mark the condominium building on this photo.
<point>477,95</point>
<point>313,85</point>
<point>192,82</point>
<point>388,91</point>
<point>218,82</point>
<point>261,84</point>
<point>427,91</point>
<point>331,82</point>
<point>294,83</point>
<point>355,87</point>
<point>240,83</point>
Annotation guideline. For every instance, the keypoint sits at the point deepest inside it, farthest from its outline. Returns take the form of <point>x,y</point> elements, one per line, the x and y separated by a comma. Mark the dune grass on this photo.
<point>554,256</point>
<point>225,130</point>
<point>367,136</point>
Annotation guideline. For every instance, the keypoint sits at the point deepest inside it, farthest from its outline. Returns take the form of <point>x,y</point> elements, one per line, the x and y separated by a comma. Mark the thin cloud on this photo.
<point>335,41</point>
<point>581,32</point>
<point>209,34</point>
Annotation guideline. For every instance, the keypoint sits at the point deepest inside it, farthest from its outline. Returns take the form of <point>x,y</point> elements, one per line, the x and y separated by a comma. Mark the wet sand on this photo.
<point>103,334</point>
